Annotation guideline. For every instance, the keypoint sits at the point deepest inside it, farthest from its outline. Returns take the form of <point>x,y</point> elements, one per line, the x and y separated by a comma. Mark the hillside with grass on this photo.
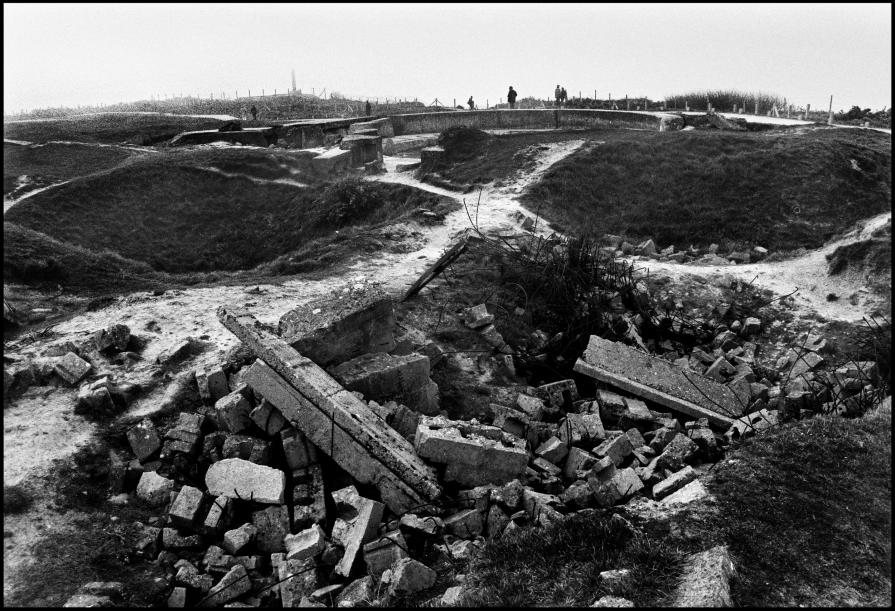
<point>780,190</point>
<point>109,128</point>
<point>178,216</point>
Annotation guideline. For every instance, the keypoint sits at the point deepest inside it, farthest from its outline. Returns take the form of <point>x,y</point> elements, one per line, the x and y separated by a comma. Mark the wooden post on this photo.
<point>756,107</point>
<point>830,118</point>
<point>687,105</point>
<point>627,102</point>
<point>455,103</point>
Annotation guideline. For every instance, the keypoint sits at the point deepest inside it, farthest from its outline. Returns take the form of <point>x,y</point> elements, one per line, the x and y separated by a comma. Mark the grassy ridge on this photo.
<point>56,162</point>
<point>778,190</point>
<point>106,128</point>
<point>169,213</point>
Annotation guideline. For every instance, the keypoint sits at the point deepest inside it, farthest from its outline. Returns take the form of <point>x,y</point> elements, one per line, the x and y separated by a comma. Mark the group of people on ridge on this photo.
<point>560,94</point>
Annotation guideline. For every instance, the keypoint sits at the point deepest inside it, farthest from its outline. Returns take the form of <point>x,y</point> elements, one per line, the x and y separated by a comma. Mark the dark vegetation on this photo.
<point>835,545</point>
<point>702,187</point>
<point>173,214</point>
<point>109,128</point>
<point>16,499</point>
<point>723,100</point>
<point>560,565</point>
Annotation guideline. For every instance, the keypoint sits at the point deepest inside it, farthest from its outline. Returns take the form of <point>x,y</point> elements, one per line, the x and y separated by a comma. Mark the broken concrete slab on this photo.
<point>409,576</point>
<point>706,580</point>
<point>71,368</point>
<point>384,377</point>
<point>212,383</point>
<point>113,338</point>
<point>153,488</point>
<point>477,316</point>
<point>236,539</point>
<point>474,454</point>
<point>234,412</point>
<point>359,519</point>
<point>233,585</point>
<point>268,418</point>
<point>615,448</point>
<point>299,452</point>
<point>560,394</point>
<point>578,429</point>
<point>241,479</point>
<point>334,419</point>
<point>553,450</point>
<point>674,483</point>
<point>382,553</point>
<point>219,515</point>
<point>305,544</point>
<point>659,381</point>
<point>298,578</point>
<point>623,484</point>
<point>336,329</point>
<point>694,491</point>
<point>246,447</point>
<point>186,508</point>
<point>467,523</point>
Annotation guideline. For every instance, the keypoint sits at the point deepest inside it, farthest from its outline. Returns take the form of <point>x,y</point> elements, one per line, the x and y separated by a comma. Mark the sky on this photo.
<point>85,54</point>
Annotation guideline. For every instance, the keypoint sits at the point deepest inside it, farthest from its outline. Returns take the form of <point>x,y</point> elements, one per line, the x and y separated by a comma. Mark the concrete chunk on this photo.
<point>306,544</point>
<point>382,553</point>
<point>268,418</point>
<point>233,585</point>
<point>298,578</point>
<point>621,486</point>
<point>616,448</point>
<point>219,515</point>
<point>233,412</point>
<point>553,450</point>
<point>659,381</point>
<point>336,329</point>
<point>212,383</point>
<point>153,488</point>
<point>71,368</point>
<point>272,525</point>
<point>238,538</point>
<point>706,581</point>
<point>474,455</point>
<point>409,576</point>
<point>185,510</point>
<point>360,519</point>
<point>385,377</point>
<point>241,479</point>
<point>674,483</point>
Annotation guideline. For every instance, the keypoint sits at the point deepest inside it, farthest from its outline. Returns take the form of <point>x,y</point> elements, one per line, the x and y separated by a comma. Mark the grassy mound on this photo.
<point>560,566</point>
<point>780,190</point>
<point>807,513</point>
<point>50,163</point>
<point>107,128</point>
<point>172,214</point>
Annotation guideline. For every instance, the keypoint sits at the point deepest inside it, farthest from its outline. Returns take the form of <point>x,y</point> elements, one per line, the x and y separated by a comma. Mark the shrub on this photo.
<point>15,500</point>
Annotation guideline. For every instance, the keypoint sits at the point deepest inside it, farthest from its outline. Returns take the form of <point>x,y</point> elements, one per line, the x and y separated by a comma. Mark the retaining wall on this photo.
<point>549,118</point>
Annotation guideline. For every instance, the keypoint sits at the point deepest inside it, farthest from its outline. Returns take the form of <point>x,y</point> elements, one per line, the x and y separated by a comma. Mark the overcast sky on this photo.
<point>90,53</point>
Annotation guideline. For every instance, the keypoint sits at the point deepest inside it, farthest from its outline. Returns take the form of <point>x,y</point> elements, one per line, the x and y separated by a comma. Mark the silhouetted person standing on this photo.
<point>471,103</point>
<point>368,108</point>
<point>563,96</point>
<point>511,97</point>
<point>254,112</point>
<point>557,93</point>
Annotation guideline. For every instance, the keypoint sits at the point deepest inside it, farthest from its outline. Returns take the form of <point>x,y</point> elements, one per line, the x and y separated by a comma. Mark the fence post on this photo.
<point>455,103</point>
<point>627,102</point>
<point>807,110</point>
<point>830,118</point>
<point>756,107</point>
<point>686,106</point>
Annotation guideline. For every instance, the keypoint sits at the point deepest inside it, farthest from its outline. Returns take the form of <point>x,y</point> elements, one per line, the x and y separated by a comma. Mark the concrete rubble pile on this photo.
<point>324,473</point>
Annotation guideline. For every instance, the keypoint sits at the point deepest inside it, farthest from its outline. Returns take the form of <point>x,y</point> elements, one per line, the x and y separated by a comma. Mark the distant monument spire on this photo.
<point>293,80</point>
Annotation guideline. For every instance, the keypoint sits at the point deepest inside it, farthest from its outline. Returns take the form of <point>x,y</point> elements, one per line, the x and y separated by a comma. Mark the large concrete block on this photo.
<point>383,377</point>
<point>272,525</point>
<point>382,553</point>
<point>659,381</point>
<point>474,454</point>
<point>153,488</point>
<point>144,439</point>
<point>335,329</point>
<point>71,368</point>
<point>234,412</point>
<point>185,510</point>
<point>706,580</point>
<point>241,479</point>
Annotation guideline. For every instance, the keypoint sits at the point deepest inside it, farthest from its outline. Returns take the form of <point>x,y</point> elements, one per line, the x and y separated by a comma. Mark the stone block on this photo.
<point>385,377</point>
<point>298,578</point>
<point>577,460</point>
<point>300,453</point>
<point>677,452</point>
<point>674,483</point>
<point>466,524</point>
<point>144,440</point>
<point>234,412</point>
<point>477,316</point>
<point>553,450</point>
<point>706,580</point>
<point>241,479</point>
<point>414,525</point>
<point>71,368</point>
<point>577,496</point>
<point>409,576</point>
<point>337,329</point>
<point>153,488</point>
<point>233,585</point>
<point>272,525</point>
<point>581,429</point>
<point>112,339</point>
<point>692,492</point>
<point>616,448</point>
<point>533,407</point>
<point>212,383</point>
<point>186,508</point>
<point>305,544</point>
<point>559,395</point>
<point>474,455</point>
<point>357,524</point>
<point>382,553</point>
<point>635,437</point>
<point>509,420</point>
<point>268,418</point>
<point>621,486</point>
<point>237,538</point>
